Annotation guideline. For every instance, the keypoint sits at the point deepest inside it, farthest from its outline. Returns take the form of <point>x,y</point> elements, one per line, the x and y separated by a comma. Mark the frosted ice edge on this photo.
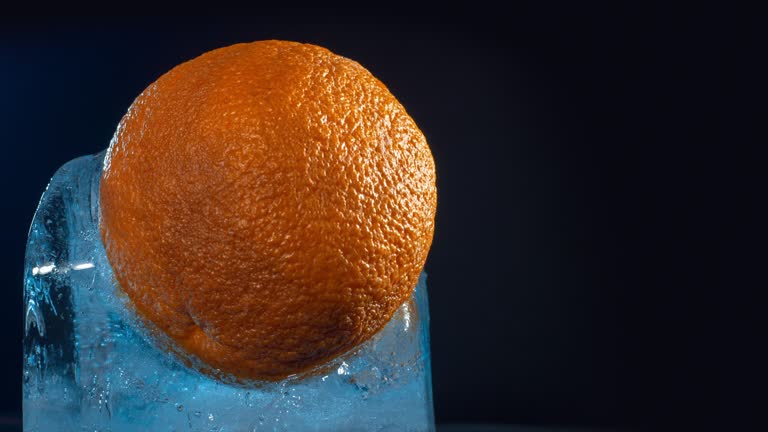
<point>88,364</point>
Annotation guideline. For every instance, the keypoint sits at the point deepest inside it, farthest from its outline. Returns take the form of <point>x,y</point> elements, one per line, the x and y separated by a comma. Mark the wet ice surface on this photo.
<point>90,366</point>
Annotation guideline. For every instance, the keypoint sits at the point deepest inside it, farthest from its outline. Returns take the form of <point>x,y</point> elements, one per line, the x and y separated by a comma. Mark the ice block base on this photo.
<point>89,364</point>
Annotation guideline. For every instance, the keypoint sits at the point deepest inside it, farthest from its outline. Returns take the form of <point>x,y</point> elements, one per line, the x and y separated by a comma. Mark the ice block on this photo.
<point>91,364</point>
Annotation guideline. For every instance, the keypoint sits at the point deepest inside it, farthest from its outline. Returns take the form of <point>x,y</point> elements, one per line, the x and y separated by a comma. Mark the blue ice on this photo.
<point>89,365</point>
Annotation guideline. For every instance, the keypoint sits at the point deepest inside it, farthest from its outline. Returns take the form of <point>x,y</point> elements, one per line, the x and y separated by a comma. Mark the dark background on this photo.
<point>597,186</point>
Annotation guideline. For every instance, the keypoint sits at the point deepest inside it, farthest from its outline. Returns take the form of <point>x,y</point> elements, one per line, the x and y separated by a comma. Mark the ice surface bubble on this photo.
<point>89,365</point>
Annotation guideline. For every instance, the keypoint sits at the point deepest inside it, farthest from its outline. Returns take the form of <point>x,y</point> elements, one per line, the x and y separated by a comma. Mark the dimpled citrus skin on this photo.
<point>268,206</point>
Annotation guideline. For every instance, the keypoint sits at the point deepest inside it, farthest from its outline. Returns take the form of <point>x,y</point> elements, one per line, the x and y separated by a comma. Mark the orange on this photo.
<point>268,206</point>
